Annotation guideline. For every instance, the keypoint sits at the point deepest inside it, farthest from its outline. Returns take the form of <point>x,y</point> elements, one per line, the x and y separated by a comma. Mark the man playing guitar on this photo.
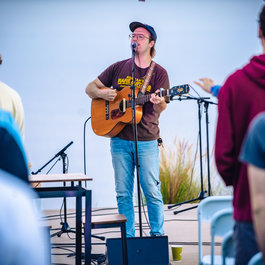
<point>118,76</point>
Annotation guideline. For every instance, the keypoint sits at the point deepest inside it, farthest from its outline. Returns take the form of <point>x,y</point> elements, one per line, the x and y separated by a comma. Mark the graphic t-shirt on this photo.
<point>118,76</point>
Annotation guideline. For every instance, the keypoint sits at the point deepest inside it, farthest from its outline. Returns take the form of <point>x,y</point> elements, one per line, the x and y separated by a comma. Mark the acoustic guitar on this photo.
<point>108,118</point>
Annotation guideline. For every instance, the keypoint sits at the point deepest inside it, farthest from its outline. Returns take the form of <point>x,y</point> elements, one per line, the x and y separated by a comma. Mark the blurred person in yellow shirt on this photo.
<point>11,102</point>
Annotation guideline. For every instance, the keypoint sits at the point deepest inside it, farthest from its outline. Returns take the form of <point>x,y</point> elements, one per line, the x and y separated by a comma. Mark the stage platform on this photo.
<point>181,229</point>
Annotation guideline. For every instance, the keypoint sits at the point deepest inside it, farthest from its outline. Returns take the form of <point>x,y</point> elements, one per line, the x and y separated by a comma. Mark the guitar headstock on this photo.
<point>179,90</point>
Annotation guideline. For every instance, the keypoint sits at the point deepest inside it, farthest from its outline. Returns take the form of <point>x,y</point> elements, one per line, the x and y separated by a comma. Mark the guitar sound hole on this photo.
<point>116,114</point>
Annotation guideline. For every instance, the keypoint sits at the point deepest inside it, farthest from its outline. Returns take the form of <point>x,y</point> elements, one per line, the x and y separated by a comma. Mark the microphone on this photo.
<point>134,45</point>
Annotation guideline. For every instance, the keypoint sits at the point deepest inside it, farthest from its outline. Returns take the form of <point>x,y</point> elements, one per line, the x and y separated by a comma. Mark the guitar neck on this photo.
<point>145,98</point>
<point>174,91</point>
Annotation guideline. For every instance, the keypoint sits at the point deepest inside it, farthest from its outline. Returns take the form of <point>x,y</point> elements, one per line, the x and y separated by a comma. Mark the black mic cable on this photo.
<point>85,144</point>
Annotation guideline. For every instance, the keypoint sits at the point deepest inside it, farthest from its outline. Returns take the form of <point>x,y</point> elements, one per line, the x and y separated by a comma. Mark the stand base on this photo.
<point>99,258</point>
<point>64,229</point>
<point>199,198</point>
<point>141,251</point>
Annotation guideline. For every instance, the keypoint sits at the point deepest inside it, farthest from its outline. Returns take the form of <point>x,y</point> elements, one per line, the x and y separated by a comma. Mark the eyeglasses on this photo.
<point>138,36</point>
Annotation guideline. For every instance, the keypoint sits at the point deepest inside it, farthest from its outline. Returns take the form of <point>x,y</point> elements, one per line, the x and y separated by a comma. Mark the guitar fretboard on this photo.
<point>145,98</point>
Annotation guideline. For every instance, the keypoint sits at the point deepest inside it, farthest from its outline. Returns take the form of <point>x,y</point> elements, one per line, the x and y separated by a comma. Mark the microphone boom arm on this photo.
<point>58,154</point>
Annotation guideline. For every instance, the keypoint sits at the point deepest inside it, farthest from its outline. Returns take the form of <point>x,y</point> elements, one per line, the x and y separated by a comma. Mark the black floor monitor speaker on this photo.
<point>141,251</point>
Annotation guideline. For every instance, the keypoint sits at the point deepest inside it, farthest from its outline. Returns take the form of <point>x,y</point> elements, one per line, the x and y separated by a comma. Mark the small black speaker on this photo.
<point>141,251</point>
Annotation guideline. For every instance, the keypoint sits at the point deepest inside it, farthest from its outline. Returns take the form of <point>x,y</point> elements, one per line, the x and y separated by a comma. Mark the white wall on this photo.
<point>52,48</point>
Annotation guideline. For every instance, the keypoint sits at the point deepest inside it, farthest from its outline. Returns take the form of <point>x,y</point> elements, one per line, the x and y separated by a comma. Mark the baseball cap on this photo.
<point>134,25</point>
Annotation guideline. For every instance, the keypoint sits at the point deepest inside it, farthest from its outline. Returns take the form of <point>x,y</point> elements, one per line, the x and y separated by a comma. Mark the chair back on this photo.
<point>221,223</point>
<point>228,250</point>
<point>206,209</point>
<point>256,259</point>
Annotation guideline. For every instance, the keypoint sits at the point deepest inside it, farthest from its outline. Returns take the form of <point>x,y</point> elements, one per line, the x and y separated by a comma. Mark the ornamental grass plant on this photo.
<point>180,173</point>
<point>177,168</point>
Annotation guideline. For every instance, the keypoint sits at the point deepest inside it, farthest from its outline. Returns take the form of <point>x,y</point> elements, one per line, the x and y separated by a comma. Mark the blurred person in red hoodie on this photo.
<point>240,99</point>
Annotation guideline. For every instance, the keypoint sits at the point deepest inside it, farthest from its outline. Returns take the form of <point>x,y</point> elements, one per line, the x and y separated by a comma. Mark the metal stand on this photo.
<point>65,226</point>
<point>62,155</point>
<point>134,125</point>
<point>203,192</point>
<point>206,105</point>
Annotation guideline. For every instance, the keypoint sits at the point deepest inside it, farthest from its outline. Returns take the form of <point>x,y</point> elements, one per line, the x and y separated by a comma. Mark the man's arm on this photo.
<point>207,84</point>
<point>160,103</point>
<point>94,90</point>
<point>253,153</point>
<point>256,177</point>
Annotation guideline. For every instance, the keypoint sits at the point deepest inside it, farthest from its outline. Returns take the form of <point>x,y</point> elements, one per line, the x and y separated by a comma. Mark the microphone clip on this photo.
<point>134,46</point>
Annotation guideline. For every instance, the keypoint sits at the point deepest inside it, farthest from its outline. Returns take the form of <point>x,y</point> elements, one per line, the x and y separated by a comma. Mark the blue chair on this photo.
<point>256,259</point>
<point>228,251</point>
<point>206,211</point>
<point>221,223</point>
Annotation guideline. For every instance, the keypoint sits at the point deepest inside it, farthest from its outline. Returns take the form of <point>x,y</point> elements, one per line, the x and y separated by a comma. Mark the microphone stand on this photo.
<point>134,125</point>
<point>65,226</point>
<point>201,196</point>
<point>62,155</point>
<point>206,105</point>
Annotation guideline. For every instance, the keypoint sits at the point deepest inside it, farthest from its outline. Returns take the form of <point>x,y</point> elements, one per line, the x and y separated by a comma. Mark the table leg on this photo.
<point>79,228</point>
<point>88,227</point>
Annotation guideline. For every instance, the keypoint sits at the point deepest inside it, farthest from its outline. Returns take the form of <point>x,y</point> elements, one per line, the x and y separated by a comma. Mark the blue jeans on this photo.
<point>245,242</point>
<point>123,160</point>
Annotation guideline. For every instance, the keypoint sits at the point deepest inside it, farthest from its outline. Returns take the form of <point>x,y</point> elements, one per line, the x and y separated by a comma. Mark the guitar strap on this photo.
<point>147,79</point>
<point>143,90</point>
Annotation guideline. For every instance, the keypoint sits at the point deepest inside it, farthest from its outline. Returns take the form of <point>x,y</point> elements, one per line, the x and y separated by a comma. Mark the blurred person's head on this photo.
<point>262,21</point>
<point>262,27</point>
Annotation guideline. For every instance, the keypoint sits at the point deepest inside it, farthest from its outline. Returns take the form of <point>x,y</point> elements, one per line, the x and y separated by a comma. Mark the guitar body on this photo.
<point>108,117</point>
